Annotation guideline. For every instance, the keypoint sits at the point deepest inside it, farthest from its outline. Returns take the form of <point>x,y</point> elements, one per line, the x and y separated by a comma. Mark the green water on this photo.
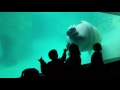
<point>32,35</point>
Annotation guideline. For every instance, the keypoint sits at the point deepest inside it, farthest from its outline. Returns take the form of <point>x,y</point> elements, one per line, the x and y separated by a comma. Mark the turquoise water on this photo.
<point>31,35</point>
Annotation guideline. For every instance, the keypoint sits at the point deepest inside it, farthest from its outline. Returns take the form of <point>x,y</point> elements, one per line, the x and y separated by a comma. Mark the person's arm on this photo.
<point>64,53</point>
<point>42,62</point>
<point>43,66</point>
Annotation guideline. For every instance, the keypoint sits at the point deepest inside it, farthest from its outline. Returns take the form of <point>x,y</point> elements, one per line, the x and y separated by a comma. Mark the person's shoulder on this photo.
<point>99,53</point>
<point>96,53</point>
<point>59,59</point>
<point>49,62</point>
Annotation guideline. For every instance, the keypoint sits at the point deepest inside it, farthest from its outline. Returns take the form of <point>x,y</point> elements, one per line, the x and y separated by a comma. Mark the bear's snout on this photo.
<point>71,31</point>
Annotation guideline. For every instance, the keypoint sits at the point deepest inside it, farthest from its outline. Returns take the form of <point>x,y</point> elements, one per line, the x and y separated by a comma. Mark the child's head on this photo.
<point>74,49</point>
<point>53,55</point>
<point>97,47</point>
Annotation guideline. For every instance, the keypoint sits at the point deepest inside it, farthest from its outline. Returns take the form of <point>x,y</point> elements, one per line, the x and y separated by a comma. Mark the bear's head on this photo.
<point>75,35</point>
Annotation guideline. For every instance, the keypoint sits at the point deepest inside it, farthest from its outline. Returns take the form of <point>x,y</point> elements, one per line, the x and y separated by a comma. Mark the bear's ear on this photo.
<point>82,21</point>
<point>71,26</point>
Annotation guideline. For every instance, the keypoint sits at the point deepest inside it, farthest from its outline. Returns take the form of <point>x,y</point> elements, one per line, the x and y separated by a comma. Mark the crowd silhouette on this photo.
<point>70,67</point>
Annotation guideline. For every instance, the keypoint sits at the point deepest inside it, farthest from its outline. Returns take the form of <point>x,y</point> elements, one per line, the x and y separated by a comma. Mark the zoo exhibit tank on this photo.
<point>26,36</point>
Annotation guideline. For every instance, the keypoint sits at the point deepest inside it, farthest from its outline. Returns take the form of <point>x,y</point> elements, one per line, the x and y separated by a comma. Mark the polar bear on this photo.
<point>84,35</point>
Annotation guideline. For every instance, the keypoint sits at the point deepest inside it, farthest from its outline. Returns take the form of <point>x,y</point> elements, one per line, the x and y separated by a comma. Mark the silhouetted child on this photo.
<point>97,63</point>
<point>55,67</point>
<point>73,63</point>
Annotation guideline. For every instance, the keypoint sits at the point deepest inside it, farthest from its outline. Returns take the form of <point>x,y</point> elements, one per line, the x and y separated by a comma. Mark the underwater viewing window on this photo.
<point>27,36</point>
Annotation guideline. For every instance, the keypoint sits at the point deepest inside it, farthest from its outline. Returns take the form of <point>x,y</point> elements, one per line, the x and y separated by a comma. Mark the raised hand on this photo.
<point>40,60</point>
<point>67,46</point>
